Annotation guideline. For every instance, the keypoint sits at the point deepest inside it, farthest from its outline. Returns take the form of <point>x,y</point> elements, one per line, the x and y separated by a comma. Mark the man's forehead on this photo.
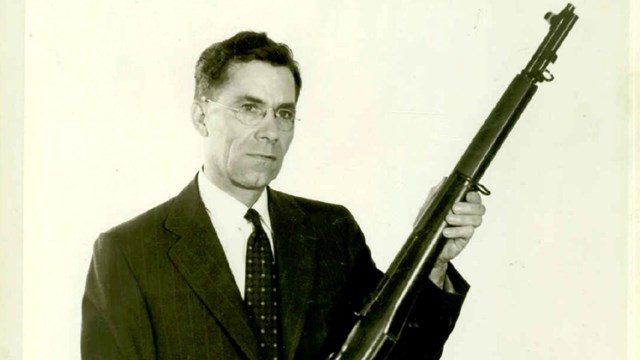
<point>260,80</point>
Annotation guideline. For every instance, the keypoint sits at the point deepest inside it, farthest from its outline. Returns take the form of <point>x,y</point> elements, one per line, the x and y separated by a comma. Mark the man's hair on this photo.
<point>211,69</point>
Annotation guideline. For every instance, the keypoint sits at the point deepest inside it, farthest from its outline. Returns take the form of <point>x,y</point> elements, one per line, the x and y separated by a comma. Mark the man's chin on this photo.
<point>255,183</point>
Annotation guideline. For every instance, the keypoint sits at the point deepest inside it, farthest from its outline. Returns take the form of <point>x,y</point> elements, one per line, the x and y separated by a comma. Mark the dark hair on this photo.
<point>211,69</point>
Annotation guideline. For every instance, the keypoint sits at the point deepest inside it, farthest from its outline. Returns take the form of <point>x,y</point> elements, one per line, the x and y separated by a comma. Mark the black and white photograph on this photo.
<point>319,180</point>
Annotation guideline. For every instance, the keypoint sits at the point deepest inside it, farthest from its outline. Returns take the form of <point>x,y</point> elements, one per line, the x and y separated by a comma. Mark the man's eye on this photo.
<point>285,114</point>
<point>250,108</point>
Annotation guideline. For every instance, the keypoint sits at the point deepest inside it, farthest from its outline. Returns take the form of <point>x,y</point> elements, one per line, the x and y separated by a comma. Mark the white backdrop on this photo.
<point>392,94</point>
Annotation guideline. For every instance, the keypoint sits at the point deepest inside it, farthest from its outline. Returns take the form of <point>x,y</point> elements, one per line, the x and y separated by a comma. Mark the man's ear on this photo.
<point>197,118</point>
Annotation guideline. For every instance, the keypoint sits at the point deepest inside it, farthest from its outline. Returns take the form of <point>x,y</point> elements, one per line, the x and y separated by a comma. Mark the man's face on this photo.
<point>240,156</point>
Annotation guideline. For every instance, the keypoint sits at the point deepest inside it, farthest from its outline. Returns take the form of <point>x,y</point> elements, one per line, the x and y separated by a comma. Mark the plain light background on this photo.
<point>392,94</point>
<point>11,176</point>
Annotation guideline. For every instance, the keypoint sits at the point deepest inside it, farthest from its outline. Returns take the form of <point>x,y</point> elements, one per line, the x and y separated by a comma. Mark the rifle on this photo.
<point>381,322</point>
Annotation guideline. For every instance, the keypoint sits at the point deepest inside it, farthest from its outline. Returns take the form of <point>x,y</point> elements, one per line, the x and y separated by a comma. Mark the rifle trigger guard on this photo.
<point>547,75</point>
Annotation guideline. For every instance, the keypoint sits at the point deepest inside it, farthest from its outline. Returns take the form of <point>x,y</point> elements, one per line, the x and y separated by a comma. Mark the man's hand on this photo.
<point>463,219</point>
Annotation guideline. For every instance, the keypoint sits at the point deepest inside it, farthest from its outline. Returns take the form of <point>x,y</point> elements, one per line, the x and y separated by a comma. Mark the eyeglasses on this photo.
<point>251,114</point>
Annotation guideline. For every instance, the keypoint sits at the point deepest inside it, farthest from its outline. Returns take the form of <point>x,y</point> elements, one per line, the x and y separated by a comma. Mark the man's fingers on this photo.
<point>464,220</point>
<point>458,232</point>
<point>474,197</point>
<point>467,208</point>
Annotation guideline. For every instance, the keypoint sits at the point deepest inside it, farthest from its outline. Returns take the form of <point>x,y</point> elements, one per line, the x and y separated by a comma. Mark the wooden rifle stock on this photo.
<point>381,322</point>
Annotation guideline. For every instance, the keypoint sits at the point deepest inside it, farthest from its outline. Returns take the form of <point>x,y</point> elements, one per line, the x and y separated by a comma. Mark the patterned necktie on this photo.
<point>260,293</point>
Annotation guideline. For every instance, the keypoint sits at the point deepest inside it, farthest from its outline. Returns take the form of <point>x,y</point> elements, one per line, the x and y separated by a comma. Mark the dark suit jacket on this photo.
<point>159,286</point>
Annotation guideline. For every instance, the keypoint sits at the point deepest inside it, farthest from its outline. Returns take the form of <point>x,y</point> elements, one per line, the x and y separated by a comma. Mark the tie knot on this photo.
<point>254,217</point>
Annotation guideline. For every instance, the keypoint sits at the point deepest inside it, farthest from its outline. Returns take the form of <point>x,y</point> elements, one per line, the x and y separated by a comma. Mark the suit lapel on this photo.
<point>199,257</point>
<point>296,261</point>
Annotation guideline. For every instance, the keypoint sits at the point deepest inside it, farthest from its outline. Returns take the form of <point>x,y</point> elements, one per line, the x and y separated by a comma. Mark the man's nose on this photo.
<point>268,127</point>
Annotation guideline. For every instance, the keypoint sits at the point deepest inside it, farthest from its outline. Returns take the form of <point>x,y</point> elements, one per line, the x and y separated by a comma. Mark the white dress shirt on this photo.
<point>233,230</point>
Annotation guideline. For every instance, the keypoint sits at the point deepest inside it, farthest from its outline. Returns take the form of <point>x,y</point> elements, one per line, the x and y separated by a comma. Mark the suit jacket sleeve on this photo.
<point>432,319</point>
<point>115,322</point>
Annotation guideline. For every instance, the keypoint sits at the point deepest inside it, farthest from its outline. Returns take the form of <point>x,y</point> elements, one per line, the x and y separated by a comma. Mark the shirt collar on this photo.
<point>228,209</point>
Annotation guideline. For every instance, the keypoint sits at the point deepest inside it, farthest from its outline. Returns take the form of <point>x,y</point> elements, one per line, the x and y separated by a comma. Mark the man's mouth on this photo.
<point>263,156</point>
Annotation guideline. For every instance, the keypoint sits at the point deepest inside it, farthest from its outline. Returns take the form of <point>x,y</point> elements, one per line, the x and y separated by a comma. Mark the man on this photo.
<point>232,269</point>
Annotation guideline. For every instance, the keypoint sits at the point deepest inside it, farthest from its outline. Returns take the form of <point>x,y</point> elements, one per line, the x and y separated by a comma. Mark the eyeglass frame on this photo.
<point>279,123</point>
